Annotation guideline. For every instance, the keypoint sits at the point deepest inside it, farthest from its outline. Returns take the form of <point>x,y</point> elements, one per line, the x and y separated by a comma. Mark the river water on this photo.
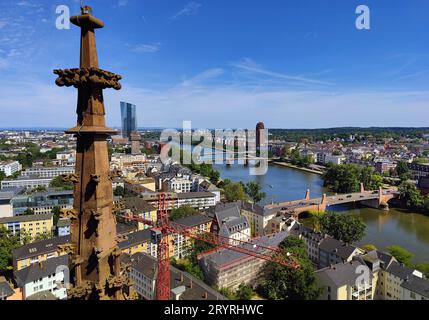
<point>395,227</point>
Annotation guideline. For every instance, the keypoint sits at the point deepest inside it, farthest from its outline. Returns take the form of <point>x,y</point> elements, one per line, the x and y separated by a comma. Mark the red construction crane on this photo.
<point>163,227</point>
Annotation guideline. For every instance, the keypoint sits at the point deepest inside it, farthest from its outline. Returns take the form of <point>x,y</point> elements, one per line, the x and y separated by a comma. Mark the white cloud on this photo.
<point>219,106</point>
<point>204,76</point>
<point>191,8</point>
<point>248,66</point>
<point>147,48</point>
<point>122,3</point>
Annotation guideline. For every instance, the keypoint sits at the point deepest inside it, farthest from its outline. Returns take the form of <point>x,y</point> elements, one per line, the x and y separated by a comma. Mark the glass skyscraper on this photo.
<point>129,119</point>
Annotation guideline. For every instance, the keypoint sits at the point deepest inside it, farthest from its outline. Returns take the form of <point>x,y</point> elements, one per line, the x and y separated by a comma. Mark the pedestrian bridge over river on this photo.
<point>375,199</point>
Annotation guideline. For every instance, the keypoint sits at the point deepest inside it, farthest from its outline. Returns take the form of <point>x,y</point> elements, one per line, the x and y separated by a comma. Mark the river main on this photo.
<point>395,227</point>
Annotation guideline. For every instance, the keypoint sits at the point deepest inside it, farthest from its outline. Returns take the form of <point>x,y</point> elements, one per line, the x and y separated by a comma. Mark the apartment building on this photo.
<point>206,186</point>
<point>258,217</point>
<point>25,182</point>
<point>230,223</point>
<point>228,269</point>
<point>9,168</point>
<point>312,240</point>
<point>332,251</point>
<point>139,207</point>
<point>47,172</point>
<point>415,288</point>
<point>418,170</point>
<point>341,282</point>
<point>194,224</point>
<point>49,277</point>
<point>178,185</point>
<point>141,241</point>
<point>372,276</point>
<point>37,252</point>
<point>183,285</point>
<point>33,225</point>
<point>140,185</point>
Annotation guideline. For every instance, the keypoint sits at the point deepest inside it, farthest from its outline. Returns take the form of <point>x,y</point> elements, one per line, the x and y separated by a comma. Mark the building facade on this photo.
<point>24,182</point>
<point>47,172</point>
<point>48,276</point>
<point>33,225</point>
<point>10,167</point>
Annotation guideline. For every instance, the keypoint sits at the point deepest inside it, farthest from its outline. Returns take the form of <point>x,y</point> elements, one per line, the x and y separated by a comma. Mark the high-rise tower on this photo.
<point>260,136</point>
<point>129,119</point>
<point>95,265</point>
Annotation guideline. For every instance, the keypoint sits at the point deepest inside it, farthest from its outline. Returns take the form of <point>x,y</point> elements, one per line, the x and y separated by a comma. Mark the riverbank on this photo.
<point>288,165</point>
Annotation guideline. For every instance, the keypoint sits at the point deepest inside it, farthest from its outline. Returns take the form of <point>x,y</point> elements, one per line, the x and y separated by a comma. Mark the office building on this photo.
<point>129,119</point>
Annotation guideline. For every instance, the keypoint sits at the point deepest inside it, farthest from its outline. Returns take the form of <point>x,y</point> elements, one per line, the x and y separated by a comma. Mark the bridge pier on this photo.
<point>376,204</point>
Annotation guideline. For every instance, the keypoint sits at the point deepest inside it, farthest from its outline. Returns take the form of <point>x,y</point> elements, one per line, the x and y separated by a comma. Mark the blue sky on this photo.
<point>225,64</point>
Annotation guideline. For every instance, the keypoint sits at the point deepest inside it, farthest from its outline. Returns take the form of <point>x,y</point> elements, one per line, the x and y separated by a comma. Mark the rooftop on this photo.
<point>193,221</point>
<point>225,257</point>
<point>342,273</point>
<point>5,289</point>
<point>40,270</point>
<point>417,285</point>
<point>39,247</point>
<point>34,217</point>
<point>190,195</point>
<point>339,248</point>
<point>180,282</point>
<point>135,238</point>
<point>138,204</point>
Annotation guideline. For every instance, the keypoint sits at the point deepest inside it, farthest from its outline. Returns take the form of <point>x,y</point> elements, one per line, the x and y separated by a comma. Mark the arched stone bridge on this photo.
<point>378,199</point>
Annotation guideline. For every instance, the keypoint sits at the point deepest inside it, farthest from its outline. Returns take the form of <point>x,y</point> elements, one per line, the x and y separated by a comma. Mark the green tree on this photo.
<point>410,195</point>
<point>234,192</point>
<point>343,178</point>
<point>57,212</point>
<point>342,227</point>
<point>43,236</point>
<point>2,176</point>
<point>8,242</point>
<point>369,247</point>
<point>25,237</point>
<point>244,292</point>
<point>214,177</point>
<point>119,191</point>
<point>283,283</point>
<point>401,254</point>
<point>228,293</point>
<point>402,170</point>
<point>28,212</point>
<point>182,212</point>
<point>58,182</point>
<point>253,190</point>
<point>370,178</point>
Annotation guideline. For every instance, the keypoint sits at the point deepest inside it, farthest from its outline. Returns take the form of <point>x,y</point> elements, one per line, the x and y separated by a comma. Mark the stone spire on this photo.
<point>95,267</point>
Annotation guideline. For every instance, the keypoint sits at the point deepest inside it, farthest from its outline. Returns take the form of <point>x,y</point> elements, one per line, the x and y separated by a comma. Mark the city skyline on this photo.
<point>179,63</point>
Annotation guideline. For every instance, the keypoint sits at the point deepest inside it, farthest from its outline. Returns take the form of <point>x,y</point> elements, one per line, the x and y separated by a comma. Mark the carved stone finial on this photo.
<point>95,178</point>
<point>116,173</point>
<point>70,178</point>
<point>67,248</point>
<point>71,214</point>
<point>97,215</point>
<point>82,77</point>
<point>80,292</point>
